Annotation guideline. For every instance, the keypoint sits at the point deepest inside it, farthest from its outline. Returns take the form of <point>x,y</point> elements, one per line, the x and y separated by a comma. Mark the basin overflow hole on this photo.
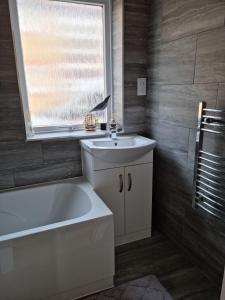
<point>115,144</point>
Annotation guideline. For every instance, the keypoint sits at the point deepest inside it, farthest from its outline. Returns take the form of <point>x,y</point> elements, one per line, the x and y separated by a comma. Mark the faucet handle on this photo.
<point>112,124</point>
<point>119,128</point>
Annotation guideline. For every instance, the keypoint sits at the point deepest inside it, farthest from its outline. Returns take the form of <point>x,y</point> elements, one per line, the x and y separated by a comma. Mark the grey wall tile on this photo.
<point>171,155</point>
<point>203,248</point>
<point>132,72</point>
<point>135,62</point>
<point>178,104</point>
<point>171,137</point>
<point>8,80</point>
<point>7,62</point>
<point>214,143</point>
<point>173,175</point>
<point>210,57</point>
<point>61,151</point>
<point>155,19</point>
<point>173,63</point>
<point>8,88</point>
<point>221,96</point>
<point>4,21</point>
<point>134,117</point>
<point>11,119</point>
<point>171,201</point>
<point>194,16</point>
<point>208,227</point>
<point>191,149</point>
<point>49,172</point>
<point>6,180</point>
<point>172,105</point>
<point>169,223</point>
<point>19,154</point>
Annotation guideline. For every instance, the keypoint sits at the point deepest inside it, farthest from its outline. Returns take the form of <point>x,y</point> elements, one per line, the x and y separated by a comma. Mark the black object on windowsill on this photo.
<point>103,126</point>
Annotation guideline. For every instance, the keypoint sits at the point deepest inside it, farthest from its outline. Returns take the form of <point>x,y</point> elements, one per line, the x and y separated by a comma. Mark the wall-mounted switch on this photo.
<point>142,86</point>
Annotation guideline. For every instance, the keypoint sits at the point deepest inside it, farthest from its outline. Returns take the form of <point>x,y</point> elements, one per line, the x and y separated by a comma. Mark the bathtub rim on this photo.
<point>40,184</point>
<point>96,200</point>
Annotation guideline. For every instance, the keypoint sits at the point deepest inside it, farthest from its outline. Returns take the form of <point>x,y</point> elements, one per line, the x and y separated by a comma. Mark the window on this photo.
<point>63,60</point>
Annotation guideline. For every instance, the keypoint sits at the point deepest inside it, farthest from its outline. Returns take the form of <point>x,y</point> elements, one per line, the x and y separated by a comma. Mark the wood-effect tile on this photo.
<point>165,260</point>
<point>178,104</point>
<point>19,154</point>
<point>210,57</point>
<point>12,126</point>
<point>169,136</point>
<point>194,17</point>
<point>7,62</point>
<point>61,151</point>
<point>48,172</point>
<point>221,96</point>
<point>4,21</point>
<point>172,105</point>
<point>6,180</point>
<point>135,61</point>
<point>173,62</point>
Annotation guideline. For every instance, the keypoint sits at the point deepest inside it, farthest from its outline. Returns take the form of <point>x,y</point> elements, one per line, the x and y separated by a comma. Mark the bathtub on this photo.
<point>56,242</point>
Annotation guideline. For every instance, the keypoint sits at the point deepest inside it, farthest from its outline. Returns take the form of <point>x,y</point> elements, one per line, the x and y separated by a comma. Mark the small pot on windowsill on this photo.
<point>103,126</point>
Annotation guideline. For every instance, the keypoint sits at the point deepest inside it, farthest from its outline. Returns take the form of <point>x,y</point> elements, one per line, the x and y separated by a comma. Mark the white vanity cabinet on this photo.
<point>127,191</point>
<point>138,197</point>
<point>109,184</point>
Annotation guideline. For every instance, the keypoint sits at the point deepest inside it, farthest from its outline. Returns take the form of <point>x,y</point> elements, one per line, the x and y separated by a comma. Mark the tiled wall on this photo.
<point>135,62</point>
<point>186,65</point>
<point>24,163</point>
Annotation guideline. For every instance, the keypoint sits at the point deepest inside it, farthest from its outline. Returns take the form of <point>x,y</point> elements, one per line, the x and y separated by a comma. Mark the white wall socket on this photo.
<point>142,86</point>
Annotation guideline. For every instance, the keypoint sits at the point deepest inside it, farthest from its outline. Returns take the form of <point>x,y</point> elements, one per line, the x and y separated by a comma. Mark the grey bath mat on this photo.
<point>146,288</point>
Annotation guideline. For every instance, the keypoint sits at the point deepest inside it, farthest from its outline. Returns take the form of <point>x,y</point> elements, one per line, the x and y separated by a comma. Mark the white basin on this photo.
<point>121,150</point>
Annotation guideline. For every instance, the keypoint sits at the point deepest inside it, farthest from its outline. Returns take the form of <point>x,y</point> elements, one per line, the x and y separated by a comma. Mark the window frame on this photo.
<point>31,132</point>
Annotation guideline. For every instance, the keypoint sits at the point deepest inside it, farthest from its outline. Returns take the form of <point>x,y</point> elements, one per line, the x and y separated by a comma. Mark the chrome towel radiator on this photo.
<point>209,172</point>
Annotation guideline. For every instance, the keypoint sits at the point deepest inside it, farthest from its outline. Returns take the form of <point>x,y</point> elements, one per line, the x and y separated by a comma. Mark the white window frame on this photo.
<point>59,131</point>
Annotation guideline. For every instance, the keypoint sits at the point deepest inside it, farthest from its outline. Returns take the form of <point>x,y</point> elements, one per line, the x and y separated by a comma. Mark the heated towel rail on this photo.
<point>209,173</point>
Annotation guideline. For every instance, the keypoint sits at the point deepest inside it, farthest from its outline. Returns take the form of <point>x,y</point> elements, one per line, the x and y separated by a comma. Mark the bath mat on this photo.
<point>145,288</point>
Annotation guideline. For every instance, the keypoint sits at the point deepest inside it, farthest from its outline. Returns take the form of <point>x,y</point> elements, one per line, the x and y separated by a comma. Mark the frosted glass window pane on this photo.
<point>63,51</point>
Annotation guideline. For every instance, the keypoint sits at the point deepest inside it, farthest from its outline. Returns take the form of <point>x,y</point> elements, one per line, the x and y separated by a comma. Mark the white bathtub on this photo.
<point>56,242</point>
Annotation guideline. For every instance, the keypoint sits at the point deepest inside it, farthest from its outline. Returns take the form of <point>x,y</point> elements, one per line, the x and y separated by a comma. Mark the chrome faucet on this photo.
<point>114,128</point>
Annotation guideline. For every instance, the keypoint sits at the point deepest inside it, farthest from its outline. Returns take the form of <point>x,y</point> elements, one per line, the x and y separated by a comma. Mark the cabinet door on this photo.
<point>109,184</point>
<point>138,197</point>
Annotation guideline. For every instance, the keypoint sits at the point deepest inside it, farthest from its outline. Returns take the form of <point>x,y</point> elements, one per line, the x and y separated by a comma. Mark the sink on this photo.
<point>121,150</point>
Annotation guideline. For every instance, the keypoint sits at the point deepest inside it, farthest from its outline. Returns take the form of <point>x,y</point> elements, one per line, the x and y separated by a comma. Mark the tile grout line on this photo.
<point>191,34</point>
<point>188,84</point>
<point>217,95</point>
<point>196,49</point>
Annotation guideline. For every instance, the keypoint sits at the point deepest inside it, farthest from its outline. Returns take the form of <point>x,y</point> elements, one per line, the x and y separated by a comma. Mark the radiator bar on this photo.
<point>211,168</point>
<point>212,131</point>
<point>210,174</point>
<point>212,181</point>
<point>208,198</point>
<point>214,110</point>
<point>210,161</point>
<point>213,155</point>
<point>210,193</point>
<point>211,187</point>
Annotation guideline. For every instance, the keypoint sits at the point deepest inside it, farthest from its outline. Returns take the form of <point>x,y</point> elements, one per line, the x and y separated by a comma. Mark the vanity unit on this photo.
<point>120,171</point>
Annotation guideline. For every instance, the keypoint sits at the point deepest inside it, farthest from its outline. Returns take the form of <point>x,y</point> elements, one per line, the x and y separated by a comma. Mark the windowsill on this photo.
<point>81,134</point>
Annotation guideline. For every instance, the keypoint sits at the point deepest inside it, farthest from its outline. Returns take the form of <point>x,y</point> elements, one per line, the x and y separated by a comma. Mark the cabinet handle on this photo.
<point>121,183</point>
<point>130,182</point>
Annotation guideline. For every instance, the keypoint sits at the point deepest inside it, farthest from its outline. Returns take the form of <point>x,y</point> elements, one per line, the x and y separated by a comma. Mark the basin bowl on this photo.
<point>120,150</point>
